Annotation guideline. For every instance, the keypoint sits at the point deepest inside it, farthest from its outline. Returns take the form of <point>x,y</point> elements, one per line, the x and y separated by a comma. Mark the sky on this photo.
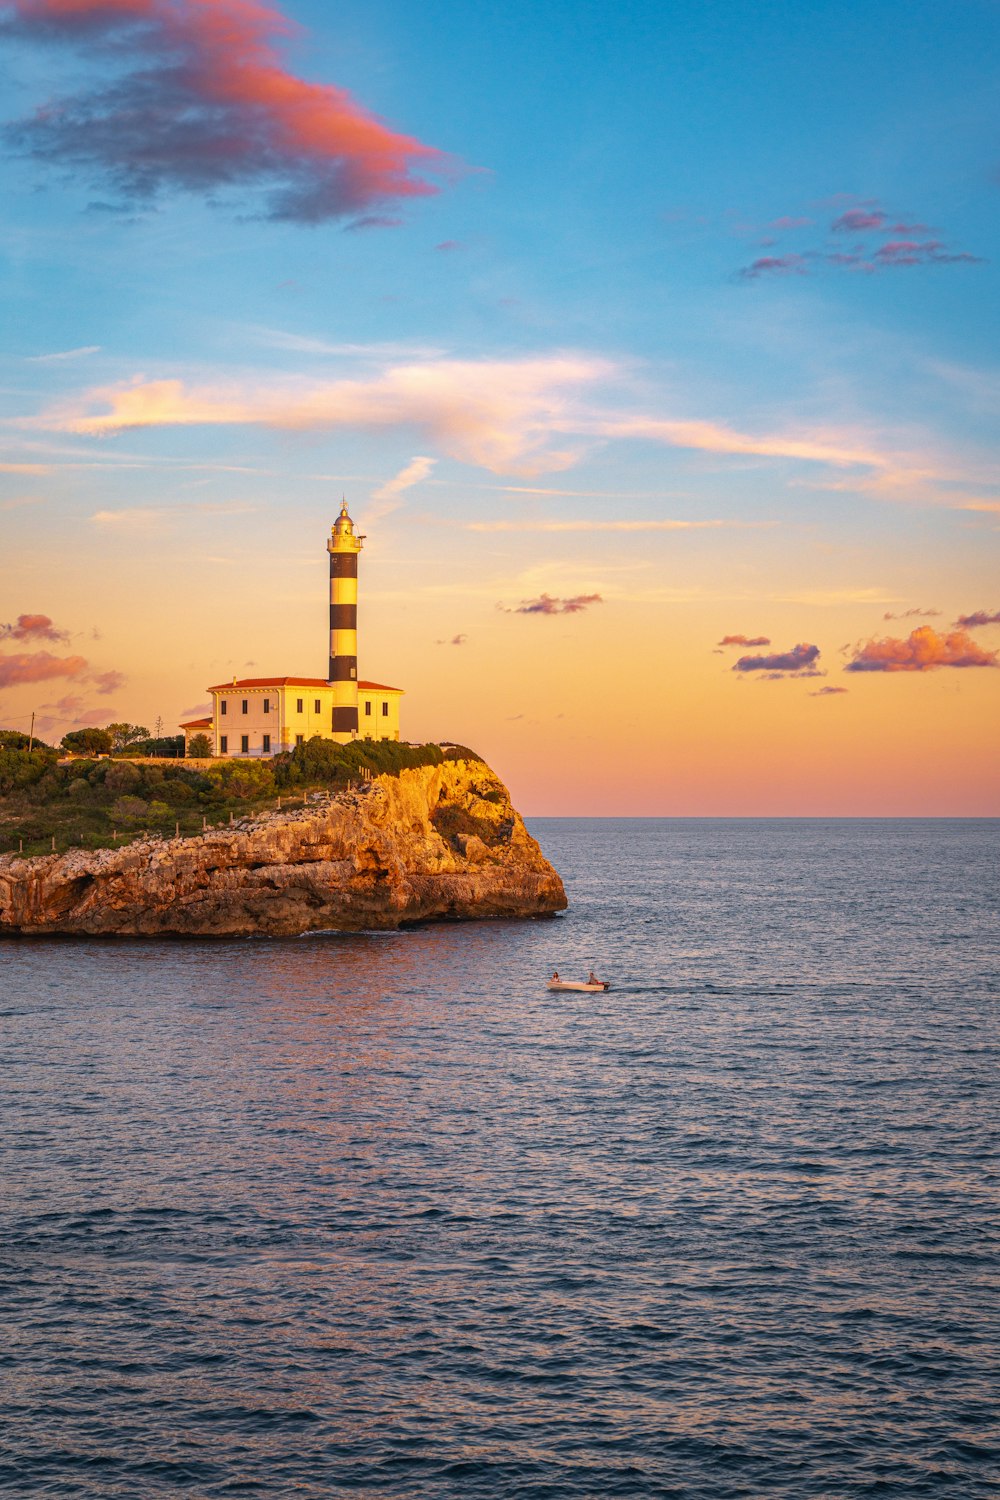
<point>653,345</point>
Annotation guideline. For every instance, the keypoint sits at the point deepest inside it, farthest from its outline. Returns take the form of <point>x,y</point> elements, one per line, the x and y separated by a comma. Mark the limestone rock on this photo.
<point>439,842</point>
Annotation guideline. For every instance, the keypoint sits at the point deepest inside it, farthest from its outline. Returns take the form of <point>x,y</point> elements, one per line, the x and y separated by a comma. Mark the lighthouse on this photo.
<point>343,548</point>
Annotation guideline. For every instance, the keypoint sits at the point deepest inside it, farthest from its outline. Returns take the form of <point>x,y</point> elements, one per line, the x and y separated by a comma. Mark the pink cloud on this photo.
<point>108,682</point>
<point>828,692</point>
<point>745,640</point>
<point>776,265</point>
<point>800,660</point>
<point>979,619</point>
<point>22,667</point>
<point>913,614</point>
<point>857,220</point>
<point>787,222</point>
<point>922,651</point>
<point>32,628</point>
<point>546,605</point>
<point>204,102</point>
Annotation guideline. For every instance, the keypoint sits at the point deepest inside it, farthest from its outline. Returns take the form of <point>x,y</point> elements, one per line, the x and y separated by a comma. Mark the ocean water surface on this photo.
<point>377,1215</point>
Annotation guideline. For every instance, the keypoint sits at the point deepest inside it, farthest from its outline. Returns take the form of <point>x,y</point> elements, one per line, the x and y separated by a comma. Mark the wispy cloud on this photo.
<point>586,525</point>
<point>922,651</point>
<point>195,97</point>
<point>456,640</point>
<point>745,640</point>
<point>546,605</point>
<point>917,613</point>
<point>522,417</point>
<point>387,497</point>
<point>497,413</point>
<point>62,355</point>
<point>828,692</point>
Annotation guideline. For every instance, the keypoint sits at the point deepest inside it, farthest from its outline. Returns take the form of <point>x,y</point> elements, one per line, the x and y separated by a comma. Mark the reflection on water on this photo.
<point>376,1214</point>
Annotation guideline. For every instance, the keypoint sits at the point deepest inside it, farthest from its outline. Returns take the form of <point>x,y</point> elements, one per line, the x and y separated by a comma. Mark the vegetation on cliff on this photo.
<point>95,804</point>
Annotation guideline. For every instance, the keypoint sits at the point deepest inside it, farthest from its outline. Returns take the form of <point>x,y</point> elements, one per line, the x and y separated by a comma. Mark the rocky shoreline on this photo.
<point>436,843</point>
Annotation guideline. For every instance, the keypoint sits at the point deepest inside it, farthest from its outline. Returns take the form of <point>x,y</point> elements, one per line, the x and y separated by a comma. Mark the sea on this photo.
<point>377,1215</point>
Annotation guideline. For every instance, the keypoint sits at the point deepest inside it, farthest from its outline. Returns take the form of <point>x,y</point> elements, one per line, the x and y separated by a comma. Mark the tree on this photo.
<point>13,739</point>
<point>124,735</point>
<point>199,746</point>
<point>87,742</point>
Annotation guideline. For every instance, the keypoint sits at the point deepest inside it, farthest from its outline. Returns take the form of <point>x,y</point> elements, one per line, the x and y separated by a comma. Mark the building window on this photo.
<point>267,705</point>
<point>224,744</point>
<point>298,705</point>
<point>223,706</point>
<point>385,708</point>
<point>246,705</point>
<point>244,743</point>
<point>300,739</point>
<point>267,744</point>
<point>368,708</point>
<point>317,706</point>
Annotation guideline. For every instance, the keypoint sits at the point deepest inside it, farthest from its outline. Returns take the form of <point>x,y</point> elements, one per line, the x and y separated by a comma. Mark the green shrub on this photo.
<point>200,746</point>
<point>128,810</point>
<point>243,779</point>
<point>22,768</point>
<point>122,777</point>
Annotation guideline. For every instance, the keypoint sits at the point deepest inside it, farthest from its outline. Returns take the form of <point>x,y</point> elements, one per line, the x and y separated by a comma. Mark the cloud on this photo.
<point>868,222</point>
<point>194,96</point>
<point>922,651</point>
<point>523,416</point>
<point>546,605</point>
<point>32,628</point>
<point>828,692</point>
<point>497,413</point>
<point>857,219</point>
<point>387,496</point>
<point>912,614</point>
<point>70,712</point>
<point>776,265</point>
<point>22,667</point>
<point>108,682</point>
<point>584,525</point>
<point>800,660</point>
<point>745,640</point>
<point>978,620</point>
<point>456,640</point>
<point>448,245</point>
<point>64,354</point>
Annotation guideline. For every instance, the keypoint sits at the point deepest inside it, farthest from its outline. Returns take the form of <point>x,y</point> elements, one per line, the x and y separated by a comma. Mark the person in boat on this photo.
<point>593,979</point>
<point>555,977</point>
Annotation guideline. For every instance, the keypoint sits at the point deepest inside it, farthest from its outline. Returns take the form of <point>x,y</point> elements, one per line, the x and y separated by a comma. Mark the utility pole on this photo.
<point>31,732</point>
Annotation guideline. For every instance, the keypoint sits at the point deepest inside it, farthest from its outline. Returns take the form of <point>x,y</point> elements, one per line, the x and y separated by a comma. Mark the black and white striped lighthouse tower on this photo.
<point>343,548</point>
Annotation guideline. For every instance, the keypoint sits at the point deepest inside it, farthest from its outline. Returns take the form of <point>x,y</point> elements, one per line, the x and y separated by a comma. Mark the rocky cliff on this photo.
<point>440,842</point>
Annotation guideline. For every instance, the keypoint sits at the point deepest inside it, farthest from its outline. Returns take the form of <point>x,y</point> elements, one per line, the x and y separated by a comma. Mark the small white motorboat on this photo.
<point>561,985</point>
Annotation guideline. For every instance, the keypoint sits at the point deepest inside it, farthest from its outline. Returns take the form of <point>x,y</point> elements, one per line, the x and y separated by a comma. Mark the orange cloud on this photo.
<point>922,651</point>
<point>204,102</point>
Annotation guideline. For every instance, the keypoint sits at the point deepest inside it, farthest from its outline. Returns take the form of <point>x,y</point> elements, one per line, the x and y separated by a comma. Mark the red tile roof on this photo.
<point>196,724</point>
<point>257,682</point>
<point>263,682</point>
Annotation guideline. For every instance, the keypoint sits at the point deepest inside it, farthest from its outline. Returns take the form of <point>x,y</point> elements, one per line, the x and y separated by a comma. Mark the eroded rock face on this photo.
<point>440,842</point>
